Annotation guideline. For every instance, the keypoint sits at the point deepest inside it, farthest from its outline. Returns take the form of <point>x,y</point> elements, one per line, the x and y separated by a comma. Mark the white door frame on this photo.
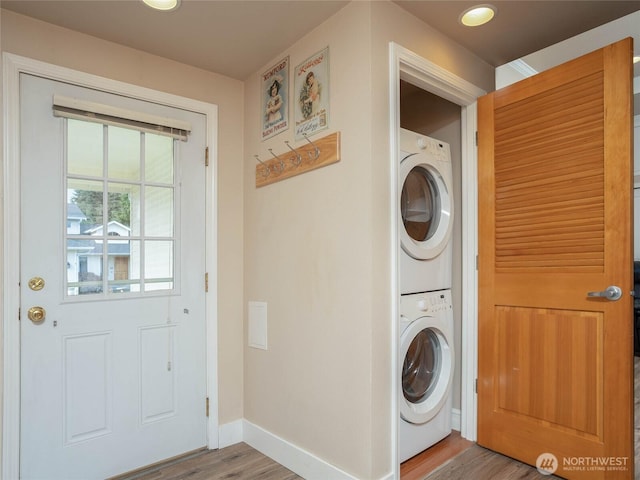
<point>13,66</point>
<point>418,71</point>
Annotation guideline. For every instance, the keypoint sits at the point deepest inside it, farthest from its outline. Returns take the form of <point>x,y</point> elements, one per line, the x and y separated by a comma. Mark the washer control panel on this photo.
<point>433,302</point>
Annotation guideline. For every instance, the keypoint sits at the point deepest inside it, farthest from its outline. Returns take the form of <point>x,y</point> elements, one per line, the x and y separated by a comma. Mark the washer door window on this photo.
<point>427,371</point>
<point>425,208</point>
<point>421,366</point>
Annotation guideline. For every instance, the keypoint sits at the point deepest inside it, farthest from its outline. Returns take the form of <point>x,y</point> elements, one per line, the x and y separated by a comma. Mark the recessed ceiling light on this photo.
<point>478,15</point>
<point>164,5</point>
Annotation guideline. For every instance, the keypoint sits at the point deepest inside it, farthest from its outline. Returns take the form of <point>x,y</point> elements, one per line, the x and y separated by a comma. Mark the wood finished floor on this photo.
<point>418,467</point>
<point>453,458</point>
<point>478,463</point>
<point>237,462</point>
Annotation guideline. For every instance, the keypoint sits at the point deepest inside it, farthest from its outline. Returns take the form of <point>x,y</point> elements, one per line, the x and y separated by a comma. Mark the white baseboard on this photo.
<point>294,458</point>
<point>280,450</point>
<point>230,433</point>
<point>291,456</point>
<point>455,419</point>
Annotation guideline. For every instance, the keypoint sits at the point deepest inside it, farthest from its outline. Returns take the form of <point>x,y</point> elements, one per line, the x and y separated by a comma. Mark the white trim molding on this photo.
<point>13,66</point>
<point>230,433</point>
<point>469,339</point>
<point>11,270</point>
<point>408,66</point>
<point>291,456</point>
<point>523,68</point>
<point>433,78</point>
<point>394,243</point>
<point>455,419</point>
<point>296,459</point>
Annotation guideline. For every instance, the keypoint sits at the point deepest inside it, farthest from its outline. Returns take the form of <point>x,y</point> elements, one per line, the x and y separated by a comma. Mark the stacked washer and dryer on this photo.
<point>426,315</point>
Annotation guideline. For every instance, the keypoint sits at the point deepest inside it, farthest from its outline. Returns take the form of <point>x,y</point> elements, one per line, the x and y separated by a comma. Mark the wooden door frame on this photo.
<point>13,66</point>
<point>407,65</point>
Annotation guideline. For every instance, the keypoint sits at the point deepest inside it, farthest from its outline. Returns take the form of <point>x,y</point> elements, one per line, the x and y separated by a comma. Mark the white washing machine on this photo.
<point>426,371</point>
<point>426,213</point>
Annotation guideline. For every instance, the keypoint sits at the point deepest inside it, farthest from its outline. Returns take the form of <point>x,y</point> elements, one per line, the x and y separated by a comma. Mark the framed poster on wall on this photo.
<point>275,94</point>
<point>311,94</point>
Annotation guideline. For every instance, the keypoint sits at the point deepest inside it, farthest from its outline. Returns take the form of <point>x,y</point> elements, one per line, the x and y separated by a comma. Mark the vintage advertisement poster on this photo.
<point>275,95</point>
<point>311,95</point>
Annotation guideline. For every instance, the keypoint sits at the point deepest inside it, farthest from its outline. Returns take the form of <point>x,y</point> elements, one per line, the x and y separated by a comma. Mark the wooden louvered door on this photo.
<point>555,372</point>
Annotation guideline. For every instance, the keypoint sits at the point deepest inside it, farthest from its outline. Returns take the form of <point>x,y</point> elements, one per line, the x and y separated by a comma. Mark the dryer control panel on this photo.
<point>412,142</point>
<point>434,148</point>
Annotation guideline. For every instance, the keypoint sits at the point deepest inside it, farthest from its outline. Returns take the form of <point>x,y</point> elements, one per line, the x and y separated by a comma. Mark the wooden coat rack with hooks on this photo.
<point>314,154</point>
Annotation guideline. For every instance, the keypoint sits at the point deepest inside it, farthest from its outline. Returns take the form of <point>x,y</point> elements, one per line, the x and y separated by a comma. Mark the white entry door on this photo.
<point>112,284</point>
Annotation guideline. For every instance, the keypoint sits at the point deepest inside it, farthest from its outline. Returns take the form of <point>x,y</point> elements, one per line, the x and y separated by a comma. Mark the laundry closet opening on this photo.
<point>433,116</point>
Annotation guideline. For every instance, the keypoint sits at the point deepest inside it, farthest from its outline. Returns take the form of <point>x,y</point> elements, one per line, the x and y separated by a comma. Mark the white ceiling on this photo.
<point>231,37</point>
<point>520,27</point>
<point>238,37</point>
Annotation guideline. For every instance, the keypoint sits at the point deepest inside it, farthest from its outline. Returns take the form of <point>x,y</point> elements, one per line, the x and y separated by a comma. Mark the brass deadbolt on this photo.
<point>36,314</point>
<point>36,283</point>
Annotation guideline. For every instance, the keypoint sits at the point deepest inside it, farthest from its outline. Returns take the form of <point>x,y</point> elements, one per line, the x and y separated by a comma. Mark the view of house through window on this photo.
<point>120,210</point>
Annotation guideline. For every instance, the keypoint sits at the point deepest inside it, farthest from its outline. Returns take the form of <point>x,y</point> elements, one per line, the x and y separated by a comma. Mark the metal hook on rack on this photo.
<point>267,170</point>
<point>281,166</point>
<point>297,159</point>
<point>316,149</point>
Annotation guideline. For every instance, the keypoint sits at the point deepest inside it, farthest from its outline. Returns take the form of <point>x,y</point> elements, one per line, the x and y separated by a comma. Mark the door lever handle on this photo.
<point>611,293</point>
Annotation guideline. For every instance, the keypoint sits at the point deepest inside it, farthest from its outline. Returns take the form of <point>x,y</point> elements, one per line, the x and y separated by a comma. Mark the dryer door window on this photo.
<point>420,204</point>
<point>421,367</point>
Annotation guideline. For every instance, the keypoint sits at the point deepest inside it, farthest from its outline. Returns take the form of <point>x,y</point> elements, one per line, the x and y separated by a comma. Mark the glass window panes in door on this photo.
<point>120,204</point>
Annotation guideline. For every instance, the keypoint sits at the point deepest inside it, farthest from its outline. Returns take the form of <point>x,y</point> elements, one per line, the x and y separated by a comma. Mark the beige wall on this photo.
<point>308,255</point>
<point>317,249</point>
<point>45,42</point>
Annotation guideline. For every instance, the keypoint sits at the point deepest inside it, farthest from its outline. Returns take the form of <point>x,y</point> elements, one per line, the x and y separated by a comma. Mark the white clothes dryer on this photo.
<point>426,371</point>
<point>426,213</point>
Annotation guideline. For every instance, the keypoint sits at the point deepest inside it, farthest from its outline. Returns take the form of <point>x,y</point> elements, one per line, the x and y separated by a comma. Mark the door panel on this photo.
<point>113,378</point>
<point>87,386</point>
<point>555,371</point>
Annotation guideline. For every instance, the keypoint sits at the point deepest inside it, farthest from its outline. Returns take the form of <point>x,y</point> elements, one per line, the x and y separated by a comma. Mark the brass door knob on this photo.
<point>37,314</point>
